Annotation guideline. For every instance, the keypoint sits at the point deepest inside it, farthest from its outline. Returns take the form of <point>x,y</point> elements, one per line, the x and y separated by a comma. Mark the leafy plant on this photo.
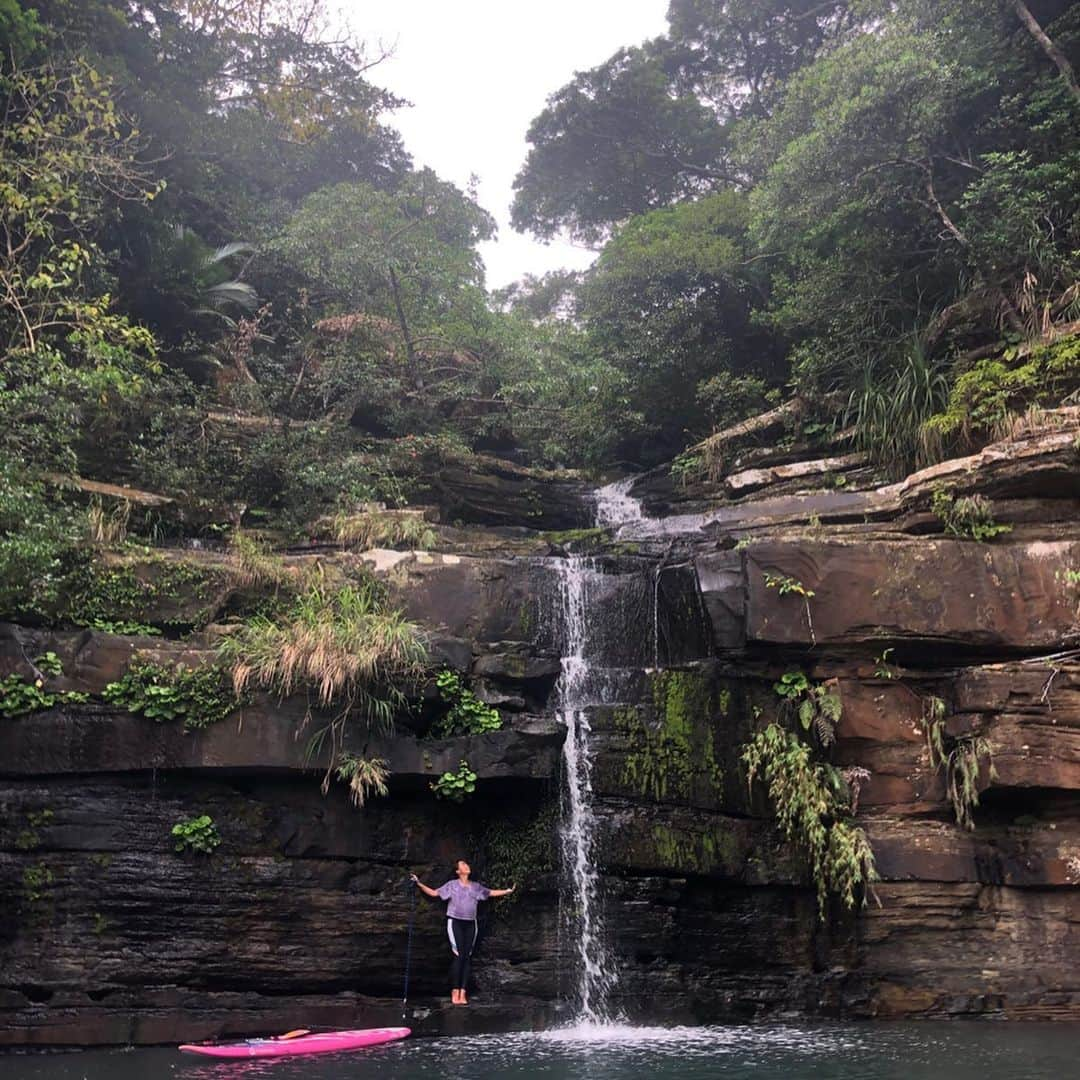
<point>792,685</point>
<point>687,467</point>
<point>196,834</point>
<point>197,696</point>
<point>123,626</point>
<point>455,786</point>
<point>467,715</point>
<point>816,706</point>
<point>970,517</point>
<point>365,776</point>
<point>812,802</point>
<point>883,666</point>
<point>19,696</point>
<point>789,586</point>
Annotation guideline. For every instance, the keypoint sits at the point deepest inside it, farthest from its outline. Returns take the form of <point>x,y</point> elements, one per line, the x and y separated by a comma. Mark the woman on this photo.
<point>464,895</point>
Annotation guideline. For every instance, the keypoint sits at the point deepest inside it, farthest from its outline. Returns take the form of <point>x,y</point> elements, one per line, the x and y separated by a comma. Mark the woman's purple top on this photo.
<point>463,898</point>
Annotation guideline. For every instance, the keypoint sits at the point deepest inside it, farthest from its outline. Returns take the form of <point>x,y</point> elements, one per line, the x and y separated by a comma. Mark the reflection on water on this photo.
<point>958,1051</point>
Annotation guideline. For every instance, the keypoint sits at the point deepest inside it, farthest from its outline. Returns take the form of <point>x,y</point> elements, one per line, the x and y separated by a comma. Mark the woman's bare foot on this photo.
<point>462,1000</point>
<point>455,997</point>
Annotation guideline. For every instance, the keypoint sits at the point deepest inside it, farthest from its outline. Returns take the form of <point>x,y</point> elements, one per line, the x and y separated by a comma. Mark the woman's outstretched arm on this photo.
<point>433,893</point>
<point>501,892</point>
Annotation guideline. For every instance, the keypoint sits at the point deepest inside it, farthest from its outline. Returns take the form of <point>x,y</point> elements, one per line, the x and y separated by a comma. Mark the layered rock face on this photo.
<point>303,913</point>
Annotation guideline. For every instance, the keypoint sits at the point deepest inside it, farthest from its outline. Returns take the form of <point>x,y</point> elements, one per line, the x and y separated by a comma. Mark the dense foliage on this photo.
<point>226,281</point>
<point>865,201</point>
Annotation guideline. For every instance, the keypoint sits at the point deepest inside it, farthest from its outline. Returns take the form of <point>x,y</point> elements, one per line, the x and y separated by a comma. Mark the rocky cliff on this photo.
<point>302,912</point>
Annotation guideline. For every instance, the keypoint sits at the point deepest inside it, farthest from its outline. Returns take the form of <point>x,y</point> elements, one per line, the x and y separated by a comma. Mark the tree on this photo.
<point>401,268</point>
<point>612,143</point>
<point>668,304</point>
<point>654,124</point>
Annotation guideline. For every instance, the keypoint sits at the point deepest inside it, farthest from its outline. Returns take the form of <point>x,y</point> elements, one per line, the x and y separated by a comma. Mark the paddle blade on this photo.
<point>294,1034</point>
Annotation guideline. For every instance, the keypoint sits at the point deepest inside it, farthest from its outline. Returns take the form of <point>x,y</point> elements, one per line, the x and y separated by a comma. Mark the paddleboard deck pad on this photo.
<point>324,1043</point>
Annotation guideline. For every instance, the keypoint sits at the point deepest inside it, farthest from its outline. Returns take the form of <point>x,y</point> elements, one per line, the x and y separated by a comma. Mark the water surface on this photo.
<point>957,1051</point>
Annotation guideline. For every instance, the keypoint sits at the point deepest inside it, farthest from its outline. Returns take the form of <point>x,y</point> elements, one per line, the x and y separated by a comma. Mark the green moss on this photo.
<point>517,851</point>
<point>691,853</point>
<point>29,838</point>
<point>100,923</point>
<point>674,755</point>
<point>525,620</point>
<point>37,881</point>
<point>577,538</point>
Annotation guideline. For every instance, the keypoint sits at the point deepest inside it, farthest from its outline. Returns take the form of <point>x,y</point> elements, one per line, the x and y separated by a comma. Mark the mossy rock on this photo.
<point>673,756</point>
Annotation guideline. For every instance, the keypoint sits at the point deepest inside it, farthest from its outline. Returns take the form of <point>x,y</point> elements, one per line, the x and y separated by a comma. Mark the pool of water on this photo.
<point>958,1051</point>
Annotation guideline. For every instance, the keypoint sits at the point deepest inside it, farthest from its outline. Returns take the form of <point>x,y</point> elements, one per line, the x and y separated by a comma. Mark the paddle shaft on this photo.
<point>408,945</point>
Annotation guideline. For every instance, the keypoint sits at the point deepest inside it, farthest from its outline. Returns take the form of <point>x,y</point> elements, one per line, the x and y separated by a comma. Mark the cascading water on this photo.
<point>575,690</point>
<point>599,607</point>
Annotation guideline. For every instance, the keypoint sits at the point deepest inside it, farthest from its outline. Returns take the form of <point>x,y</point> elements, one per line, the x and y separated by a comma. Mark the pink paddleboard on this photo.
<point>325,1043</point>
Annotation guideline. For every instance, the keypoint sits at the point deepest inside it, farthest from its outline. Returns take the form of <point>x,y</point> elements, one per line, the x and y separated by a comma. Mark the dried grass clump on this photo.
<point>366,777</point>
<point>108,527</point>
<point>340,645</point>
<point>382,528</point>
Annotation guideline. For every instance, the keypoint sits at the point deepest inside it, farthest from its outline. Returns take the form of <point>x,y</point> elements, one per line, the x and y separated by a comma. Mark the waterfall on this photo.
<point>574,692</point>
<point>615,506</point>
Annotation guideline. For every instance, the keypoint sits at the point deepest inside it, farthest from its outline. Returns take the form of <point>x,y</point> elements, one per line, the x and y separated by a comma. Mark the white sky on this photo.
<point>477,72</point>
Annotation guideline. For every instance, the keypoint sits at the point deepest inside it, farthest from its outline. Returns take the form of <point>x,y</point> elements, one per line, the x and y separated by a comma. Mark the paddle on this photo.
<point>293,1034</point>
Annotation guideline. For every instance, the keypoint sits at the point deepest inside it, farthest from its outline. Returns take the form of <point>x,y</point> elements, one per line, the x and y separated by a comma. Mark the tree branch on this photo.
<point>1023,12</point>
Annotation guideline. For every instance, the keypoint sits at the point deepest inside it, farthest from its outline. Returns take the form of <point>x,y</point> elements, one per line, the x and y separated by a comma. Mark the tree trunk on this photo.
<point>1024,14</point>
<point>410,348</point>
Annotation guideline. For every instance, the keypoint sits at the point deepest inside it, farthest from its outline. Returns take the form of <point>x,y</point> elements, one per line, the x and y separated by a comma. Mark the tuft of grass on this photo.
<point>340,645</point>
<point>381,528</point>
<point>365,776</point>
<point>109,528</point>
<point>256,566</point>
<point>888,411</point>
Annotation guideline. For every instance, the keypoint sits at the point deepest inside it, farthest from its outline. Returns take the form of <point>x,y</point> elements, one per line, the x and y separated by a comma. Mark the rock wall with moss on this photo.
<point>954,688</point>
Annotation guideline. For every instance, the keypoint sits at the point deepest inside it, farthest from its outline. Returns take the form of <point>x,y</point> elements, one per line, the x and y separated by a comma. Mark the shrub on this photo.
<point>257,567</point>
<point>970,518</point>
<point>381,528</point>
<point>467,715</point>
<point>994,388</point>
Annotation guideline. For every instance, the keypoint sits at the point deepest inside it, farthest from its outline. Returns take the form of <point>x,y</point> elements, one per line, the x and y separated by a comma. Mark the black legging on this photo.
<point>463,940</point>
